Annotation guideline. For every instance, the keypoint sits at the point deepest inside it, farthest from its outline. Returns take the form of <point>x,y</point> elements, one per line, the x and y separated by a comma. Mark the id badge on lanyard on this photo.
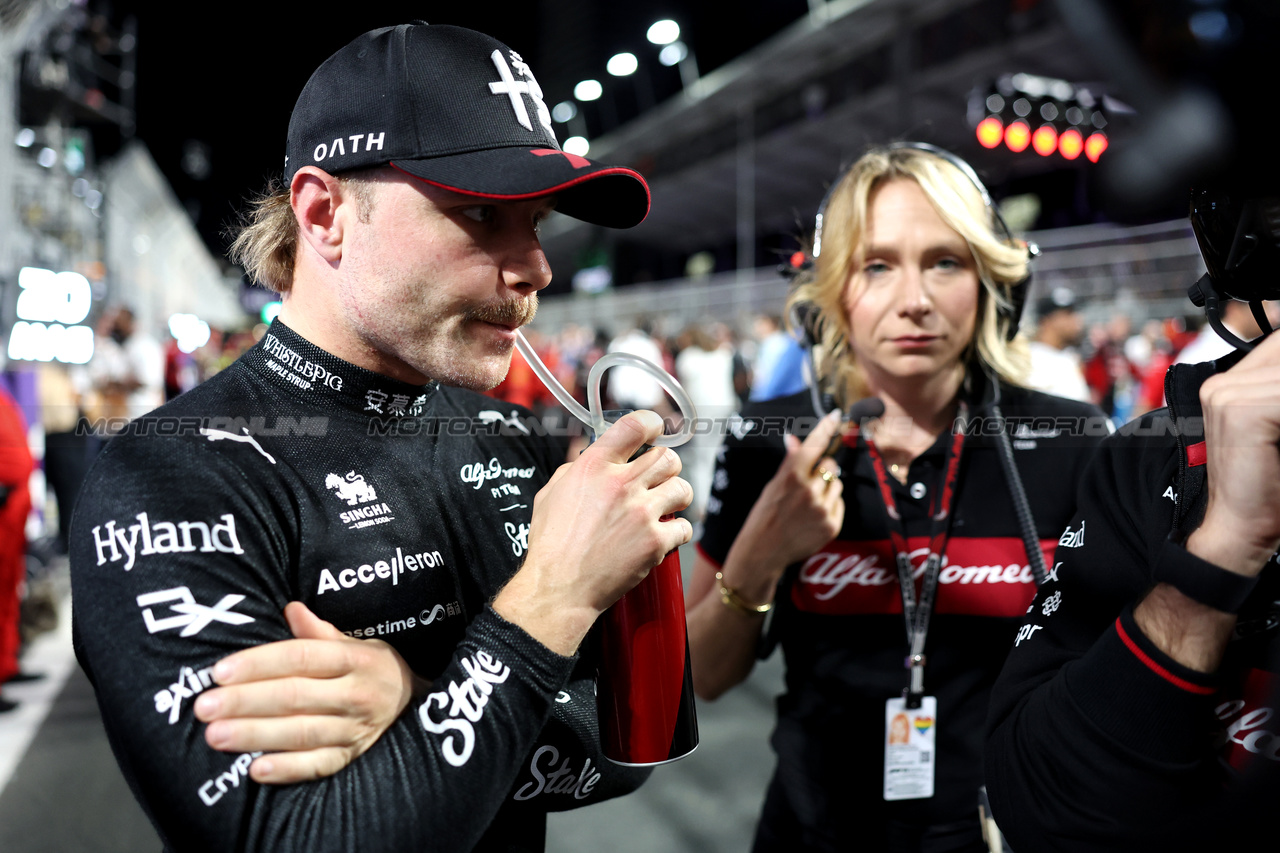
<point>910,748</point>
<point>911,720</point>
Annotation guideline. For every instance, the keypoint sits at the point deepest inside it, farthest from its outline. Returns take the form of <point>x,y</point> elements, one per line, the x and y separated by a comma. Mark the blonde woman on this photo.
<point>915,283</point>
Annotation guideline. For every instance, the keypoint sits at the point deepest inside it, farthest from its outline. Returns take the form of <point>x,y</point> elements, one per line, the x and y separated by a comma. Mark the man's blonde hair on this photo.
<point>1000,265</point>
<point>266,246</point>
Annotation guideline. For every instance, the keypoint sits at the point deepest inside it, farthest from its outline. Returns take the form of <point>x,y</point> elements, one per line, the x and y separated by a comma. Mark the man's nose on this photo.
<point>527,269</point>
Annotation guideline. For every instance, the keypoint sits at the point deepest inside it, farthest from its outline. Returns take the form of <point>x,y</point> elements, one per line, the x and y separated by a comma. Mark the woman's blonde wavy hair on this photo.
<point>1000,264</point>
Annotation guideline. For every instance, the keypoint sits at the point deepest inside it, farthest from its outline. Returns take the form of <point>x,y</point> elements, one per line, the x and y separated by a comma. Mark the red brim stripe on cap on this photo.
<point>611,170</point>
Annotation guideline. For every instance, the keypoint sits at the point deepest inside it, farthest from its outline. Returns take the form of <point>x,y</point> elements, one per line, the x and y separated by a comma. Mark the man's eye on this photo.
<point>479,213</point>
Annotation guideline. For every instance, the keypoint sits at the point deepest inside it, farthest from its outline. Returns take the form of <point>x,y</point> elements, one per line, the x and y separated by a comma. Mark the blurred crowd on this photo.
<point>1116,366</point>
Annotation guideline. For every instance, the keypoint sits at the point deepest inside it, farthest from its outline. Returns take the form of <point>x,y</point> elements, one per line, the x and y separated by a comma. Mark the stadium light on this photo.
<point>1070,143</point>
<point>663,32</point>
<point>588,90</point>
<point>1045,140</point>
<point>1017,136</point>
<point>1095,145</point>
<point>673,54</point>
<point>564,111</point>
<point>622,64</point>
<point>990,132</point>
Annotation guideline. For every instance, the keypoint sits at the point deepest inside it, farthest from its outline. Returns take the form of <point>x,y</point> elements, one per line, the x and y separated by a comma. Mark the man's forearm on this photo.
<point>1193,633</point>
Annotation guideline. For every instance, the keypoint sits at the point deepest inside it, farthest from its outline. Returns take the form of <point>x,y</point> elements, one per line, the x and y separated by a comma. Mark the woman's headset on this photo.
<point>804,315</point>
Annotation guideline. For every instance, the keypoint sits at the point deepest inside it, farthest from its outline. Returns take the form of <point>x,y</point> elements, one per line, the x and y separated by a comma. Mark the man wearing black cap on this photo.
<point>339,464</point>
<point>1055,364</point>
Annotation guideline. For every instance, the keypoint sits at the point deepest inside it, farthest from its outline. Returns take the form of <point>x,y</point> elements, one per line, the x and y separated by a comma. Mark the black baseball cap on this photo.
<point>457,109</point>
<point>1058,299</point>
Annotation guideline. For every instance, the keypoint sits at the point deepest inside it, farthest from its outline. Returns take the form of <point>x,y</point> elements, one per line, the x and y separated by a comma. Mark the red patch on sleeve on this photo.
<point>1196,454</point>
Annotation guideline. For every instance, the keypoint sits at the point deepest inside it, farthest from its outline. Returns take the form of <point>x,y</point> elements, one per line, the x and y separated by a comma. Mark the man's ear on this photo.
<point>317,201</point>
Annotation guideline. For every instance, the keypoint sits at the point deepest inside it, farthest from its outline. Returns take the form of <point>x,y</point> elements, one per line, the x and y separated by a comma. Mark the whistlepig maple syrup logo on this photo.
<point>355,491</point>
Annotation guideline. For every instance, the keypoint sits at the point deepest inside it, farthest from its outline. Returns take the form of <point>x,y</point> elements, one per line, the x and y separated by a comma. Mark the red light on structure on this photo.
<point>990,132</point>
<point>1095,145</point>
<point>1070,143</point>
<point>1017,136</point>
<point>1045,140</point>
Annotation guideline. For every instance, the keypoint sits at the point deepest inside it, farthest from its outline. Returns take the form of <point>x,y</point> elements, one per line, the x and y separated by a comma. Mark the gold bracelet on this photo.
<point>730,597</point>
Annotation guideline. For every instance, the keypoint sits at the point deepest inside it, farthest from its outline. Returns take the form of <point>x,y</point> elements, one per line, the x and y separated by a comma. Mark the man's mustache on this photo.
<point>513,312</point>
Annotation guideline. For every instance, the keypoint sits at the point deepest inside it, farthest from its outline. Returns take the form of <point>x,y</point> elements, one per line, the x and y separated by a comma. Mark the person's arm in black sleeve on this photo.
<point>157,606</point>
<point>1101,723</point>
<point>1099,733</point>
<point>1090,729</point>
<point>566,769</point>
<point>157,603</point>
<point>342,694</point>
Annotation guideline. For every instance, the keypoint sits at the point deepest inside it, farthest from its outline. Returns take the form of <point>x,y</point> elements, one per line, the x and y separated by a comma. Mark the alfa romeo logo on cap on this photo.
<point>513,88</point>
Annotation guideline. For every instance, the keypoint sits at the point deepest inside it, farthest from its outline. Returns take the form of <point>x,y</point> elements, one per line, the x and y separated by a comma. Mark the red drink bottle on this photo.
<point>644,692</point>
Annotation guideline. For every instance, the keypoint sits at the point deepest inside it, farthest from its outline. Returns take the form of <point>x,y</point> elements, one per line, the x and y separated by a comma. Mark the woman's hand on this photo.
<point>797,513</point>
<point>314,703</point>
<point>799,510</point>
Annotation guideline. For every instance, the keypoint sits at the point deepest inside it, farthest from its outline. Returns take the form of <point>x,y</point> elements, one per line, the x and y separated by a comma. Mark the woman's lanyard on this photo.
<point>916,613</point>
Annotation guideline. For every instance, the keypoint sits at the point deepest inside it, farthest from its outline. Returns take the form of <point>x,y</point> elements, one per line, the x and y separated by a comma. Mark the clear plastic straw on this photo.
<point>594,417</point>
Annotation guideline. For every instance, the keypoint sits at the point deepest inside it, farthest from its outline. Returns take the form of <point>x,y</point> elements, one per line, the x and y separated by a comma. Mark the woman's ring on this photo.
<point>826,475</point>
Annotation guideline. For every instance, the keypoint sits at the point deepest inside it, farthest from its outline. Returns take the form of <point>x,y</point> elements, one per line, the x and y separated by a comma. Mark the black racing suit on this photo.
<point>1100,741</point>
<point>393,511</point>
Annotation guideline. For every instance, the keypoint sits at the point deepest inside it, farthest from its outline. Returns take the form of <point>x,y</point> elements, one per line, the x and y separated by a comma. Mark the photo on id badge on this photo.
<point>909,748</point>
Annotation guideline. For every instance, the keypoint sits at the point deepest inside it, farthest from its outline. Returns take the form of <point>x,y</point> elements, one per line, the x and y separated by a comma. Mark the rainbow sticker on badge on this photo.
<point>923,724</point>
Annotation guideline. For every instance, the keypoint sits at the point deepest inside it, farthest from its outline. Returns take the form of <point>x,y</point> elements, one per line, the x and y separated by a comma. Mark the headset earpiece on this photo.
<point>804,316</point>
<point>1018,293</point>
